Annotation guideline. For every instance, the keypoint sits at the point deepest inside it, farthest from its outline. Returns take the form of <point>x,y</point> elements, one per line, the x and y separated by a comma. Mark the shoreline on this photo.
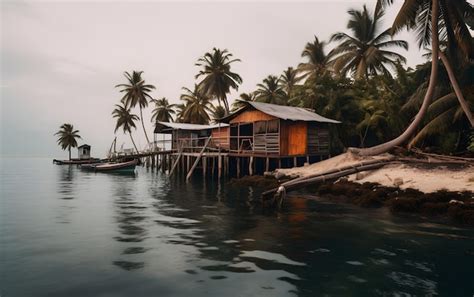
<point>405,189</point>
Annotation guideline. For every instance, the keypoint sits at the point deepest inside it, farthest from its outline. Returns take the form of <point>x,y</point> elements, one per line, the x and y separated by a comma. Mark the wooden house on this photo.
<point>269,130</point>
<point>194,136</point>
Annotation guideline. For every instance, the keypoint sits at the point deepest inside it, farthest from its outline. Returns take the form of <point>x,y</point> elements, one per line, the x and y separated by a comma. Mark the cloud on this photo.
<point>61,60</point>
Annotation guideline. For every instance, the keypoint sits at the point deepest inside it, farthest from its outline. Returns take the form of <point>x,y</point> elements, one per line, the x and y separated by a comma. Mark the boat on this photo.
<point>121,167</point>
<point>91,166</point>
<point>76,161</point>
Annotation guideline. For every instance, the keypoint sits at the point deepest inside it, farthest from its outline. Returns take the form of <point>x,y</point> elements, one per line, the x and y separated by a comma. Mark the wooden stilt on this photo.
<point>251,165</point>
<point>267,164</point>
<point>204,165</point>
<point>238,167</point>
<point>219,166</point>
<point>295,161</point>
<point>190,172</point>
<point>279,162</point>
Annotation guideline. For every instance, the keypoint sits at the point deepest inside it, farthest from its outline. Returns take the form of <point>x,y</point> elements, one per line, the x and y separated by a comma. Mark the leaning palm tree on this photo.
<point>365,53</point>
<point>197,106</point>
<point>242,100</point>
<point>163,111</point>
<point>288,80</point>
<point>217,77</point>
<point>67,137</point>
<point>424,16</point>
<point>317,59</point>
<point>136,92</point>
<point>125,120</point>
<point>270,91</point>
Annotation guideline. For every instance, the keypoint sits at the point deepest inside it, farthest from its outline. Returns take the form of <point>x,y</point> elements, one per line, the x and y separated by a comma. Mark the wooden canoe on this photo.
<point>123,167</point>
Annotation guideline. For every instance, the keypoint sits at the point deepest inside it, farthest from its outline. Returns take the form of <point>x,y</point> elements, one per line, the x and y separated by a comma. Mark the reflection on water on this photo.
<point>150,235</point>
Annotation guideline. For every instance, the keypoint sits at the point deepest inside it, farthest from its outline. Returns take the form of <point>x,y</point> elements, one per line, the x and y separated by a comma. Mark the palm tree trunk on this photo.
<point>143,125</point>
<point>226,105</point>
<point>69,149</point>
<point>457,89</point>
<point>407,134</point>
<point>133,141</point>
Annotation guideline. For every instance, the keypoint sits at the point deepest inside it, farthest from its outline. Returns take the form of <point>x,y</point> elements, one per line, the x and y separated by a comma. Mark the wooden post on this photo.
<point>251,165</point>
<point>204,165</point>
<point>279,163</point>
<point>307,159</point>
<point>163,161</point>
<point>190,172</point>
<point>238,167</point>
<point>295,161</point>
<point>219,166</point>
<point>267,164</point>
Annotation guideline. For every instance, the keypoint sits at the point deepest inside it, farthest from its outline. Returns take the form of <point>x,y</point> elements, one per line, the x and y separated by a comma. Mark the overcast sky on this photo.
<point>60,60</point>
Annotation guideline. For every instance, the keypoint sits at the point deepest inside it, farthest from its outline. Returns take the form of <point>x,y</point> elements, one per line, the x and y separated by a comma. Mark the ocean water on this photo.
<point>65,232</point>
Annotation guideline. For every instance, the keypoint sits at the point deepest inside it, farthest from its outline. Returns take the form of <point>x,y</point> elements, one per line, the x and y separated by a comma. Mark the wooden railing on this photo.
<point>266,144</point>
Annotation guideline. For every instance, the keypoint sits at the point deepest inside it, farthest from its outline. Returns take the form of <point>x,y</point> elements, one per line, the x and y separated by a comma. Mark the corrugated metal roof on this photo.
<point>287,113</point>
<point>187,126</point>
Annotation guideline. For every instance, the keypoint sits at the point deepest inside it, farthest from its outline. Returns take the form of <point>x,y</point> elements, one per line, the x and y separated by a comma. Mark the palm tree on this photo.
<point>217,112</point>
<point>317,59</point>
<point>67,137</point>
<point>270,91</point>
<point>125,120</point>
<point>136,92</point>
<point>454,32</point>
<point>443,114</point>
<point>365,53</point>
<point>217,77</point>
<point>241,101</point>
<point>412,21</point>
<point>180,110</point>
<point>163,111</point>
<point>197,106</point>
<point>288,81</point>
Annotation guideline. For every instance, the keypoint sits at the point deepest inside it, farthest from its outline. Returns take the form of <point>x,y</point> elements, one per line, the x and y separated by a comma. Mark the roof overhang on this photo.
<point>165,127</point>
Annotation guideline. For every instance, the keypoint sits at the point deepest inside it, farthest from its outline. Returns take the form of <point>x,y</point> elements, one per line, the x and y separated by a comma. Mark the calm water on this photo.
<point>70,233</point>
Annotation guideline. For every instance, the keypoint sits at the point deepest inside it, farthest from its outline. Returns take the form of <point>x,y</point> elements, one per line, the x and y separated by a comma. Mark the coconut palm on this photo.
<point>317,59</point>
<point>454,34</point>
<point>443,115</point>
<point>241,101</point>
<point>125,120</point>
<point>288,80</point>
<point>270,91</point>
<point>217,112</point>
<point>163,111</point>
<point>428,17</point>
<point>217,77</point>
<point>67,137</point>
<point>136,92</point>
<point>180,110</point>
<point>197,106</point>
<point>365,53</point>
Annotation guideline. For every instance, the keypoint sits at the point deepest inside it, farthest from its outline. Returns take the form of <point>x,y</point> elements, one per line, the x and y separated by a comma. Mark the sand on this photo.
<point>427,179</point>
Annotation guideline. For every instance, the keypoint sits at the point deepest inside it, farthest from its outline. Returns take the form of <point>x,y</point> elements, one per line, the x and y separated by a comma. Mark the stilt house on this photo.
<point>262,130</point>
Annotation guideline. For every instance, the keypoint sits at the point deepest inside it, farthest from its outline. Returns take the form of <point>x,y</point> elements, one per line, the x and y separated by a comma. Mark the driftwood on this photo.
<point>444,157</point>
<point>336,173</point>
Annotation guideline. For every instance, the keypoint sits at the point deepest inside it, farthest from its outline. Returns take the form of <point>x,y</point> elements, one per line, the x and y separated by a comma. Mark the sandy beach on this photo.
<point>426,178</point>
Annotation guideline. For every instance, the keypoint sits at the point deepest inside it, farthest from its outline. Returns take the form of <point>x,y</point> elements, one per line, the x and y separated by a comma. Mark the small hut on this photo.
<point>84,151</point>
<point>262,129</point>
